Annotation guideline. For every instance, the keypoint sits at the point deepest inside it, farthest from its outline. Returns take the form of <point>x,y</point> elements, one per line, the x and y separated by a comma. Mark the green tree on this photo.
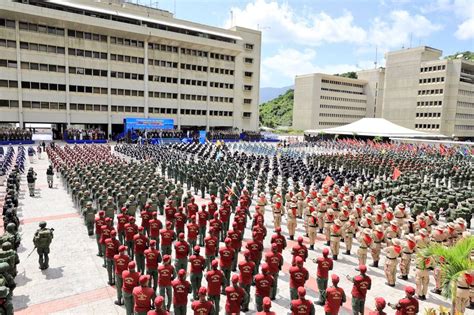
<point>457,261</point>
<point>278,112</point>
<point>350,75</point>
<point>467,55</point>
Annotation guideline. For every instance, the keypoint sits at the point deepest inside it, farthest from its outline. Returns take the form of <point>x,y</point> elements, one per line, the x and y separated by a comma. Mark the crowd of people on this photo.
<point>14,134</point>
<point>223,135</point>
<point>84,134</point>
<point>363,198</point>
<point>251,136</point>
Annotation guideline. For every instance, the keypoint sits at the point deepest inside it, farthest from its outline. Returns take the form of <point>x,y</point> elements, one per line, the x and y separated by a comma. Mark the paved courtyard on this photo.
<point>76,282</point>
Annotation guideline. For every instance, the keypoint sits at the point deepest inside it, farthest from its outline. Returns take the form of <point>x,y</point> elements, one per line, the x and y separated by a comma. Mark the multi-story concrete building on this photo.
<point>325,101</point>
<point>98,62</point>
<point>429,94</point>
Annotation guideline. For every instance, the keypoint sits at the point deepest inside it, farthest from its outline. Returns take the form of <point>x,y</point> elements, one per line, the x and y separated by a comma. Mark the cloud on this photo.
<point>465,30</point>
<point>396,30</point>
<point>281,22</point>
<point>282,67</point>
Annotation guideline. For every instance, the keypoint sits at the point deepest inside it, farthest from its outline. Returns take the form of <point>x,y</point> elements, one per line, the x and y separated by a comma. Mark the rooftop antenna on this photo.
<point>231,18</point>
<point>375,62</point>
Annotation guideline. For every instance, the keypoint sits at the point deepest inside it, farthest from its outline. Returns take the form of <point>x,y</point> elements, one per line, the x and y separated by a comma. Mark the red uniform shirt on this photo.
<point>263,285</point>
<point>361,285</point>
<point>181,289</point>
<point>146,216</point>
<point>151,259</point>
<point>182,249</point>
<point>274,261</point>
<point>212,207</point>
<point>241,221</point>
<point>193,230</point>
<point>98,224</point>
<point>235,297</point>
<point>111,247</point>
<point>167,237</point>
<point>121,263</point>
<point>202,217</point>
<point>202,308</point>
<point>260,232</point>
<point>197,263</point>
<point>130,231</point>
<point>122,219</point>
<point>130,280</point>
<point>140,243</point>
<point>216,224</point>
<point>407,306</point>
<point>104,233</point>
<point>334,299</point>
<point>226,255</point>
<point>142,298</point>
<point>214,280</point>
<point>165,275</point>
<point>301,251</point>
<point>180,220</point>
<point>224,214</point>
<point>169,213</point>
<point>246,272</point>
<point>155,227</point>
<point>235,238</point>
<point>298,276</point>
<point>192,209</point>
<point>210,243</point>
<point>301,307</point>
<point>255,249</point>
<point>280,241</point>
<point>324,265</point>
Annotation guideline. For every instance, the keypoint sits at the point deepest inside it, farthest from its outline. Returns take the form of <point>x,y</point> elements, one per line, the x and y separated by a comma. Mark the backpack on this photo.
<point>43,239</point>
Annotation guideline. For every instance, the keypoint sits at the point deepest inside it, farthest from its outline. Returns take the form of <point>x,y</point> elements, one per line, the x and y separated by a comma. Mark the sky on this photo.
<point>334,36</point>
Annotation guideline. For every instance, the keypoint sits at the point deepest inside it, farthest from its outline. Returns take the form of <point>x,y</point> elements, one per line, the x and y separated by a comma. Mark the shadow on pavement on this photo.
<point>20,301</point>
<point>53,273</point>
<point>21,279</point>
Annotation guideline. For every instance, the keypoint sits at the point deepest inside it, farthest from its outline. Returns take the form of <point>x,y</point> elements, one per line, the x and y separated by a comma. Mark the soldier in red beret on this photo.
<point>275,261</point>
<point>235,297</point>
<point>379,305</point>
<point>99,221</point>
<point>166,274</point>
<point>362,283</point>
<point>267,305</point>
<point>263,286</point>
<point>202,306</point>
<point>182,250</point>
<point>140,243</point>
<point>298,277</point>
<point>142,296</point>
<point>214,278</point>
<point>111,249</point>
<point>226,255</point>
<point>159,309</point>
<point>121,263</point>
<point>302,306</point>
<point>181,289</point>
<point>197,263</point>
<point>130,281</point>
<point>325,264</point>
<point>408,305</point>
<point>152,258</point>
<point>335,297</point>
<point>246,274</point>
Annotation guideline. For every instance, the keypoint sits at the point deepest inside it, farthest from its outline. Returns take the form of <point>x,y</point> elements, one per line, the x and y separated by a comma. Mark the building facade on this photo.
<point>429,94</point>
<point>326,101</point>
<point>92,62</point>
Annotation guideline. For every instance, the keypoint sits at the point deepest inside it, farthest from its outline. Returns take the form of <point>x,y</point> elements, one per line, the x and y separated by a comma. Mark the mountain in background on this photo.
<point>269,93</point>
<point>467,55</point>
<point>278,111</point>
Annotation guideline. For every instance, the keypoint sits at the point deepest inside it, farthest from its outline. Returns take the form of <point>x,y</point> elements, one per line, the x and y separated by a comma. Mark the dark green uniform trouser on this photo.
<point>118,287</point>
<point>179,309</point>
<point>154,276</point>
<point>140,259</point>
<point>181,264</point>
<point>130,251</point>
<point>165,250</point>
<point>294,293</point>
<point>128,301</point>
<point>110,270</point>
<point>273,292</point>
<point>209,259</point>
<point>167,294</point>
<point>90,227</point>
<point>43,259</point>
<point>259,303</point>
<point>202,235</point>
<point>358,306</point>
<point>322,286</point>
<point>216,300</point>
<point>196,279</point>
<point>226,281</point>
<point>99,247</point>
<point>245,303</point>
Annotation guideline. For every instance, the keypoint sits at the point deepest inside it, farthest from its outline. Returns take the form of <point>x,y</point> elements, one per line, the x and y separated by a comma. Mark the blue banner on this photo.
<point>148,123</point>
<point>202,136</point>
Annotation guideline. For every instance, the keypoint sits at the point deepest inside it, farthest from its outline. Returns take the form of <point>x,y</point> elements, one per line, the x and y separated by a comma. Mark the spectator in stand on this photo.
<point>15,134</point>
<point>223,135</point>
<point>252,135</point>
<point>85,134</point>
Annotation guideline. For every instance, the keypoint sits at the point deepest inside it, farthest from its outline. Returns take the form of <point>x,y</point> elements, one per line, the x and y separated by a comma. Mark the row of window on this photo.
<point>125,58</point>
<point>168,95</point>
<point>194,82</point>
<point>7,43</point>
<point>162,110</point>
<point>430,92</point>
<point>248,74</point>
<point>426,126</point>
<point>342,99</point>
<point>44,105</point>
<point>342,83</point>
<point>8,103</point>
<point>127,92</point>
<point>221,85</point>
<point>248,60</point>
<point>463,127</point>
<point>464,116</point>
<point>466,92</point>
<point>162,47</point>
<point>8,83</point>
<point>429,103</point>
<point>43,67</point>
<point>162,63</point>
<point>221,113</point>
<point>32,27</point>
<point>341,91</point>
<point>194,97</point>
<point>126,75</point>
<point>8,63</point>
<point>193,112</point>
<point>247,114</point>
<point>43,48</point>
<point>188,66</point>
<point>247,101</point>
<point>428,115</point>
<point>7,23</point>
<point>221,99</point>
<point>221,71</point>
<point>337,107</point>
<point>431,80</point>
<point>87,53</point>
<point>433,68</point>
<point>221,57</point>
<point>126,42</point>
<point>87,36</point>
<point>331,123</point>
<point>157,78</point>
<point>341,115</point>
<point>127,109</point>
<point>248,87</point>
<point>465,104</point>
<point>194,52</point>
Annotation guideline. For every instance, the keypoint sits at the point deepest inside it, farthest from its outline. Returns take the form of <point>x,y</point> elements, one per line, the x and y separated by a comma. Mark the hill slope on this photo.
<point>269,93</point>
<point>468,55</point>
<point>278,112</point>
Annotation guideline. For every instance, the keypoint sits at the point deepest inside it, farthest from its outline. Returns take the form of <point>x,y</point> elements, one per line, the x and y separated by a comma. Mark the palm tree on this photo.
<point>457,261</point>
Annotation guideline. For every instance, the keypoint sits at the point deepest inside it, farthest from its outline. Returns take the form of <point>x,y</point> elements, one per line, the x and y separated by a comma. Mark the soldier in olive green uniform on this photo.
<point>89,217</point>
<point>42,240</point>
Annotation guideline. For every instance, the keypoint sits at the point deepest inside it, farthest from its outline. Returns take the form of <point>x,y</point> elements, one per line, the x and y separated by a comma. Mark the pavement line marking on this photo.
<point>68,302</point>
<point>50,218</point>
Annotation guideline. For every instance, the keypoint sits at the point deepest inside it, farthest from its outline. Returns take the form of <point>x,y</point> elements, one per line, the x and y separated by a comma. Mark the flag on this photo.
<point>328,181</point>
<point>442,150</point>
<point>396,174</point>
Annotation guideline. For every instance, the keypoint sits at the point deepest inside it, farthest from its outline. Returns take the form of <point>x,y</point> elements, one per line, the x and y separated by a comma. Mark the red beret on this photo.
<point>380,303</point>
<point>301,291</point>
<point>131,265</point>
<point>409,290</point>
<point>334,278</point>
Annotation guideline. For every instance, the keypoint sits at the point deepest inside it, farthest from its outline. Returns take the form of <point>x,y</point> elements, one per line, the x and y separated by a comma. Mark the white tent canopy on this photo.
<point>373,127</point>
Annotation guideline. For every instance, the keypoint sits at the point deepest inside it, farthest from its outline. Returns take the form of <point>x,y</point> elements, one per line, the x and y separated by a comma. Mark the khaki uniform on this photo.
<point>392,232</point>
<point>349,229</point>
<point>422,278</point>
<point>400,218</point>
<point>422,241</point>
<point>379,237</point>
<point>365,241</point>
<point>328,222</point>
<point>391,261</point>
<point>462,293</point>
<point>291,219</point>
<point>278,210</point>
<point>300,196</point>
<point>409,248</point>
<point>322,209</point>
<point>312,229</point>
<point>335,238</point>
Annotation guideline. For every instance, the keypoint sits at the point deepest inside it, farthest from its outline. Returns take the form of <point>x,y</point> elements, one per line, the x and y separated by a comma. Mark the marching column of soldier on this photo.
<point>111,193</point>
